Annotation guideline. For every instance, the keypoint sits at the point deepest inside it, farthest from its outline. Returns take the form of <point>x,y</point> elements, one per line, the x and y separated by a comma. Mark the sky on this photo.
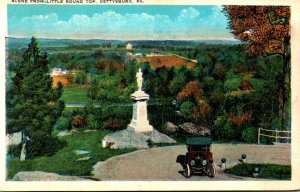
<point>135,22</point>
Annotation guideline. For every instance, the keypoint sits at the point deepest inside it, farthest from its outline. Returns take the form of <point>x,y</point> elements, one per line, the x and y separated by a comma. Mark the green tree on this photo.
<point>34,105</point>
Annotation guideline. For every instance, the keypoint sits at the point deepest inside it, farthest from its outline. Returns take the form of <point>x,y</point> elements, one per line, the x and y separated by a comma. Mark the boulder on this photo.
<point>44,176</point>
<point>128,138</point>
<point>194,129</point>
<point>169,128</point>
<point>157,137</point>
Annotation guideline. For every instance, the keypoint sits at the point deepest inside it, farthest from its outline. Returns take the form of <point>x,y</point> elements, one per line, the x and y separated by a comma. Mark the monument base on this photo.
<point>140,126</point>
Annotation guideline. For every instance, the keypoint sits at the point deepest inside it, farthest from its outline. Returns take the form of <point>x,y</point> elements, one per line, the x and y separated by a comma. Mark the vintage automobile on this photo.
<point>198,159</point>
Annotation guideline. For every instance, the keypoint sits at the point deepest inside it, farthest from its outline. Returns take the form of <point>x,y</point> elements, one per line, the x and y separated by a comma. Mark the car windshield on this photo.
<point>198,148</point>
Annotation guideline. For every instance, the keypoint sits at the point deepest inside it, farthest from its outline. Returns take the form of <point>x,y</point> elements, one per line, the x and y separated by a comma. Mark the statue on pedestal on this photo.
<point>139,79</point>
<point>139,132</point>
<point>139,121</point>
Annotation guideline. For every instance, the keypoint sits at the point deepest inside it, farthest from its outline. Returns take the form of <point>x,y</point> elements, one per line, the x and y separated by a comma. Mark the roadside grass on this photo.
<point>267,171</point>
<point>65,162</point>
<point>75,94</point>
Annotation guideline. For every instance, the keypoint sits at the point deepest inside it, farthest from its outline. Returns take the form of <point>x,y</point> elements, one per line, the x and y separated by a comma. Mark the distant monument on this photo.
<point>139,121</point>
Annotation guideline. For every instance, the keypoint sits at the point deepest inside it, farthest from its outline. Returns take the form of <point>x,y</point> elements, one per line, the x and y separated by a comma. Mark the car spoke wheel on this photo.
<point>210,170</point>
<point>187,171</point>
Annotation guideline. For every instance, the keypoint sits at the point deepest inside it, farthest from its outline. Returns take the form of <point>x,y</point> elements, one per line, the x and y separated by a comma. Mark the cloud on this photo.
<point>112,25</point>
<point>189,13</point>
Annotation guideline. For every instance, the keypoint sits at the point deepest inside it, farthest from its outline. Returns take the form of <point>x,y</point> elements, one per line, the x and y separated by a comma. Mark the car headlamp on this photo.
<point>204,162</point>
<point>193,163</point>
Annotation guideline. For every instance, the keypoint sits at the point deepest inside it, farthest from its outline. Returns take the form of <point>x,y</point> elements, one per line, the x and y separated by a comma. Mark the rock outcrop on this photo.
<point>157,137</point>
<point>194,129</point>
<point>128,138</point>
<point>169,128</point>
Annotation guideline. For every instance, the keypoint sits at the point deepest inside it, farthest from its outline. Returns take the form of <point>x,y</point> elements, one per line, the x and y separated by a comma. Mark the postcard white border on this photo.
<point>170,185</point>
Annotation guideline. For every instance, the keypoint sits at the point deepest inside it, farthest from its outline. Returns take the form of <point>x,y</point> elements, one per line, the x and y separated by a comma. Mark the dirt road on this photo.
<point>160,163</point>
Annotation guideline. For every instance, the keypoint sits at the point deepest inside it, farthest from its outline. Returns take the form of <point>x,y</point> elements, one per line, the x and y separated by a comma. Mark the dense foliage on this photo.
<point>266,31</point>
<point>33,106</point>
<point>229,91</point>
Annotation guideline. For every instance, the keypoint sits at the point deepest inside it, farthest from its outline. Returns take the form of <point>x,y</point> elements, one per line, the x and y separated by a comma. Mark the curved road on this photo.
<point>160,163</point>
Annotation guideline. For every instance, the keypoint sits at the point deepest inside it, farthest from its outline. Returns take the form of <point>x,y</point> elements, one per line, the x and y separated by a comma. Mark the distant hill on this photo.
<point>44,42</point>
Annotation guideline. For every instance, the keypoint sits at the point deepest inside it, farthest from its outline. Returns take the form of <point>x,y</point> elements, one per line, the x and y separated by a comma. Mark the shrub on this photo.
<point>115,124</point>
<point>257,84</point>
<point>64,122</point>
<point>186,109</point>
<point>116,117</point>
<point>249,135</point>
<point>92,122</point>
<point>232,84</point>
<point>45,146</point>
<point>79,121</point>
<point>223,130</point>
<point>80,77</point>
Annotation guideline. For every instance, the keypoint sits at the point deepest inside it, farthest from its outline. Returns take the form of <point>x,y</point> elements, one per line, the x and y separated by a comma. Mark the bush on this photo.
<point>44,146</point>
<point>257,84</point>
<point>232,84</point>
<point>116,117</point>
<point>223,130</point>
<point>79,121</point>
<point>115,124</point>
<point>186,109</point>
<point>64,122</point>
<point>107,96</point>
<point>249,135</point>
<point>80,77</point>
<point>92,122</point>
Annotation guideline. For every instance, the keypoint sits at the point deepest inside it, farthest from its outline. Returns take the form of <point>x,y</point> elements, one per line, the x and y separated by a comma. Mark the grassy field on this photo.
<point>64,161</point>
<point>267,171</point>
<point>75,94</point>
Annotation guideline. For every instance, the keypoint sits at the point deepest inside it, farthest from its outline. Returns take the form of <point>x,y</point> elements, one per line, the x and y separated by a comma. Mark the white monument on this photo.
<point>139,132</point>
<point>139,121</point>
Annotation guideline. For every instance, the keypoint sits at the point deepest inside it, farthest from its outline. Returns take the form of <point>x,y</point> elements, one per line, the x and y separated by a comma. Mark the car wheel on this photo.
<point>187,171</point>
<point>211,170</point>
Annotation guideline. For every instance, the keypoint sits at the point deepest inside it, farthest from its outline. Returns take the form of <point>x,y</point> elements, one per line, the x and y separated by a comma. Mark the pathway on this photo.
<point>160,163</point>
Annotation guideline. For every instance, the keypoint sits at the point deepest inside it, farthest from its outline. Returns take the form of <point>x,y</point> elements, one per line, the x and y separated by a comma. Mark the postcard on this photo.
<point>149,95</point>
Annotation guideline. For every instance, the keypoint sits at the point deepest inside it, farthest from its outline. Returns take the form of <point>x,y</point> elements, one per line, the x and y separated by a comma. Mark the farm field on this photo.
<point>168,60</point>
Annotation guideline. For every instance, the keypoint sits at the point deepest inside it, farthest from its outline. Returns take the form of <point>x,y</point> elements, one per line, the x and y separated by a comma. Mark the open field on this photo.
<point>168,60</point>
<point>75,94</point>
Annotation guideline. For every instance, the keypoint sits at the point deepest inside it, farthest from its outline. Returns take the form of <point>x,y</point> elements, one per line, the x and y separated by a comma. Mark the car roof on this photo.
<point>199,140</point>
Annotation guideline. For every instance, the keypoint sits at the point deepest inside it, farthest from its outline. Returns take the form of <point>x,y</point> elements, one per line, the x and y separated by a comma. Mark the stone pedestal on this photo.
<point>139,121</point>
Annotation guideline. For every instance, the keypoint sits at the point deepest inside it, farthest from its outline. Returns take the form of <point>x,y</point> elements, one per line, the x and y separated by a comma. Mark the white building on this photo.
<point>58,71</point>
<point>129,46</point>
